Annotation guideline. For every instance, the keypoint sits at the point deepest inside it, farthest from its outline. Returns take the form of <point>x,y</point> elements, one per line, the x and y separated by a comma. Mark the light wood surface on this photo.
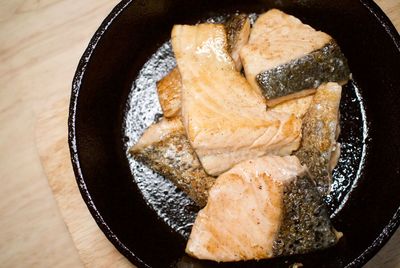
<point>40,45</point>
<point>51,135</point>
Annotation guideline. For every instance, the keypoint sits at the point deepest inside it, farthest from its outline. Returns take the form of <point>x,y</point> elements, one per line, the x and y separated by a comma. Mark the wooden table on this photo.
<point>41,42</point>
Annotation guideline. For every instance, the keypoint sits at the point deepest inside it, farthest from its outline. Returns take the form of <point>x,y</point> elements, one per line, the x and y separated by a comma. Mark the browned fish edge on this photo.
<point>169,93</point>
<point>327,64</point>
<point>191,179</point>
<point>318,142</point>
<point>306,225</point>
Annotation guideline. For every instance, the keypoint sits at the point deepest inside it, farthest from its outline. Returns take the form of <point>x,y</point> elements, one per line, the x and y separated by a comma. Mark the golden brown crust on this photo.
<point>169,93</point>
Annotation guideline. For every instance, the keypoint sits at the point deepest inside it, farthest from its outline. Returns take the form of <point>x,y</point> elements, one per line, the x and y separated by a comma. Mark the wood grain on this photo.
<point>40,45</point>
<point>41,42</point>
<point>93,247</point>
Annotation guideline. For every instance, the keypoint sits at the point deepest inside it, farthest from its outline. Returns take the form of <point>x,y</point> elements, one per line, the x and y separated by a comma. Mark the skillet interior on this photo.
<point>103,84</point>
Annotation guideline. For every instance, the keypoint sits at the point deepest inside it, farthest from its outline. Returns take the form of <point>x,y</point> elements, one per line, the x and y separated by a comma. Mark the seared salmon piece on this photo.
<point>225,120</point>
<point>165,148</point>
<point>319,149</point>
<point>169,88</point>
<point>261,208</point>
<point>285,58</point>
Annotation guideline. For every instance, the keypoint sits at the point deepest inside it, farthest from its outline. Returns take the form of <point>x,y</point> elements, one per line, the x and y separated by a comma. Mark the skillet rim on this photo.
<point>366,255</point>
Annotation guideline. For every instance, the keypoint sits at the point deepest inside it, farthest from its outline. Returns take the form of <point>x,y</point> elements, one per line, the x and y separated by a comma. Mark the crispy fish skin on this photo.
<point>306,226</point>
<point>169,93</point>
<point>165,148</point>
<point>327,64</point>
<point>238,33</point>
<point>319,134</point>
<point>261,208</point>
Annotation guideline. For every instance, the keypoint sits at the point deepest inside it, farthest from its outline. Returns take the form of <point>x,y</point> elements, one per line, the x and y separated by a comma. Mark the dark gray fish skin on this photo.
<point>319,133</point>
<point>237,29</point>
<point>327,64</point>
<point>306,226</point>
<point>318,167</point>
<point>174,158</point>
<point>234,25</point>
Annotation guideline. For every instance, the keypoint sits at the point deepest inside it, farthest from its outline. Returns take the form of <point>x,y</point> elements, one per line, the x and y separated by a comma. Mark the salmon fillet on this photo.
<point>165,148</point>
<point>261,208</point>
<point>225,120</point>
<point>169,88</point>
<point>285,57</point>
<point>319,149</point>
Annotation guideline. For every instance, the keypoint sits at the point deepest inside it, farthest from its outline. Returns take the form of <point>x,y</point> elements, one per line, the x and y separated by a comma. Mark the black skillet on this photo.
<point>113,100</point>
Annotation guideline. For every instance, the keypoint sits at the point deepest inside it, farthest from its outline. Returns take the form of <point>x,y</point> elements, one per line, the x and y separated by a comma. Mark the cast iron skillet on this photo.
<point>113,100</point>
